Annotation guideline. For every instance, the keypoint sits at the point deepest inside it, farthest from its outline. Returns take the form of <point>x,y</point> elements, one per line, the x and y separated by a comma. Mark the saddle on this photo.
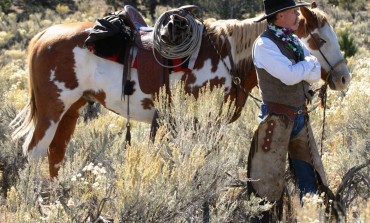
<point>114,37</point>
<point>151,74</point>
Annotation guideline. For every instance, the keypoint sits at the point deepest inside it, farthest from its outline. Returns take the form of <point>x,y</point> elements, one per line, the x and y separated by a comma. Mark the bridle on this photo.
<point>323,89</point>
<point>332,68</point>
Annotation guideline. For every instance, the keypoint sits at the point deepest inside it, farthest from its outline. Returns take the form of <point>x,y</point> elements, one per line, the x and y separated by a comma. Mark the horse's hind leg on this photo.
<point>62,136</point>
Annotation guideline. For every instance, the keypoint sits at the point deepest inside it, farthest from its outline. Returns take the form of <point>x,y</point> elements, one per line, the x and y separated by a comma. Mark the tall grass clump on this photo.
<point>197,162</point>
<point>187,166</point>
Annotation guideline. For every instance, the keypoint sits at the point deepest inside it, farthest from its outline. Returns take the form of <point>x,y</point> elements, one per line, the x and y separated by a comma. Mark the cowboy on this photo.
<point>285,70</point>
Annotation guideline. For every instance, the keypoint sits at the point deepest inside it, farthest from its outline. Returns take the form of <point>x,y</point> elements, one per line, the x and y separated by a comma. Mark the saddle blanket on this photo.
<point>175,65</point>
<point>186,66</point>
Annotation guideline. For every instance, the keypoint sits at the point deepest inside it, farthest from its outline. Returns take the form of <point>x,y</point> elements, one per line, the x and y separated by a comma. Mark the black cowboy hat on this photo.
<point>274,6</point>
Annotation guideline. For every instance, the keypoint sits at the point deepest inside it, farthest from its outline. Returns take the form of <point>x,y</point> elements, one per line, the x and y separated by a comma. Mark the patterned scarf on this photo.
<point>286,35</point>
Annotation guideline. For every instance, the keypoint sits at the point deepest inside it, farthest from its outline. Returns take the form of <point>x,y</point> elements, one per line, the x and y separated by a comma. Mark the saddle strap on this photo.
<point>126,77</point>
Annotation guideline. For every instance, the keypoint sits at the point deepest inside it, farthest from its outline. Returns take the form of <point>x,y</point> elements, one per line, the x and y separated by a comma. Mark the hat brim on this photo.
<point>283,9</point>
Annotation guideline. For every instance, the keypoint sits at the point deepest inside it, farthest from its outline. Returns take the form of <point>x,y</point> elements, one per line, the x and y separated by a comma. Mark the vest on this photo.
<point>272,89</point>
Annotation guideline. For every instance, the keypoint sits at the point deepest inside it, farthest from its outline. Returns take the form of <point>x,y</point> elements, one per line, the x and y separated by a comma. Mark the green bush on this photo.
<point>347,44</point>
<point>5,5</point>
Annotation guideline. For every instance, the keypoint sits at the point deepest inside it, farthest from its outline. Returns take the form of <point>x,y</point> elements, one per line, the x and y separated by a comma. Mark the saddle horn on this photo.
<point>189,8</point>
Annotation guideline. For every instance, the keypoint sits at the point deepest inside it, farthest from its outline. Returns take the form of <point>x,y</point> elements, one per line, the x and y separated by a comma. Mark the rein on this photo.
<point>323,89</point>
<point>332,68</point>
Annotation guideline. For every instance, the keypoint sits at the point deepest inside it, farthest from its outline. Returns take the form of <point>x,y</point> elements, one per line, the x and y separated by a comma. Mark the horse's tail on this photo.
<point>26,119</point>
<point>24,123</point>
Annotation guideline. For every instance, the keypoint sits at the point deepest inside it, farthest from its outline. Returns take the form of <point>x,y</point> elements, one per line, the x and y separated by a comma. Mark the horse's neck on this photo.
<point>244,39</point>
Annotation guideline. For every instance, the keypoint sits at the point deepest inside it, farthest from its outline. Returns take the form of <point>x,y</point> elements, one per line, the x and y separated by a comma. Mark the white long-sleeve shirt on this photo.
<point>268,56</point>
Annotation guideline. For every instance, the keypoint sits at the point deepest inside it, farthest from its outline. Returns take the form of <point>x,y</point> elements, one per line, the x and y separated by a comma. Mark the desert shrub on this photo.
<point>347,44</point>
<point>22,197</point>
<point>5,5</point>
<point>191,161</point>
<point>168,180</point>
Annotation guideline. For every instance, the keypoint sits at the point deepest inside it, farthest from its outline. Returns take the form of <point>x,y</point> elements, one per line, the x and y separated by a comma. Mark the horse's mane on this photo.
<point>321,17</point>
<point>241,32</point>
<point>244,32</point>
<point>310,20</point>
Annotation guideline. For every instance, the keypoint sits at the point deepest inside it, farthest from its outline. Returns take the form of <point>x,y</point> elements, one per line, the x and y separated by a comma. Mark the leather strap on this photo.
<point>268,137</point>
<point>281,109</point>
<point>126,69</point>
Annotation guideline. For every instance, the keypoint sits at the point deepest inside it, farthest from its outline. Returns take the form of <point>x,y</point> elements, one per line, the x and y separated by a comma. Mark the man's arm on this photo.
<point>269,57</point>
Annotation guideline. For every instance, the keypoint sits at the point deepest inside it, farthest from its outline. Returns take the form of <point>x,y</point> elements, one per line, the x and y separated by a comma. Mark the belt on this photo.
<point>281,109</point>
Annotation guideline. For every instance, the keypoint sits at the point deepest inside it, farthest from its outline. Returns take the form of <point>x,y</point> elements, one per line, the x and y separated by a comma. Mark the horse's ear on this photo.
<point>310,16</point>
<point>313,5</point>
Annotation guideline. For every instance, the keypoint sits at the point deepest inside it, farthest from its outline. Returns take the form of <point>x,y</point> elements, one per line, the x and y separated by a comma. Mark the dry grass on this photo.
<point>169,180</point>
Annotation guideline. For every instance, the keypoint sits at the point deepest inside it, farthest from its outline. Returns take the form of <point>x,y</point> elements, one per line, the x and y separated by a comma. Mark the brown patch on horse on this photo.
<point>311,19</point>
<point>147,103</point>
<point>324,74</point>
<point>208,52</point>
<point>246,72</point>
<point>217,82</point>
<point>313,42</point>
<point>188,79</point>
<point>302,32</point>
<point>100,96</point>
<point>57,46</point>
<point>248,82</point>
<point>62,136</point>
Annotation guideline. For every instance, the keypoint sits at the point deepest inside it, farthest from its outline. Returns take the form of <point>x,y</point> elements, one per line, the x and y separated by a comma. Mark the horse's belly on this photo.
<point>131,107</point>
<point>103,79</point>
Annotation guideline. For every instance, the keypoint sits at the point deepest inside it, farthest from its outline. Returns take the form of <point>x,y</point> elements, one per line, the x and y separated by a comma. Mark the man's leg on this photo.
<point>306,161</point>
<point>267,159</point>
<point>305,177</point>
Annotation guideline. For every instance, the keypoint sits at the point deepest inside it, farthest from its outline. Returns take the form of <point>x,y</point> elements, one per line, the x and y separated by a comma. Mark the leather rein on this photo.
<point>323,89</point>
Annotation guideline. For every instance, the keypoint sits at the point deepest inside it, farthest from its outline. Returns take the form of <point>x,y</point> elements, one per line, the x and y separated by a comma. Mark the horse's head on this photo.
<point>320,38</point>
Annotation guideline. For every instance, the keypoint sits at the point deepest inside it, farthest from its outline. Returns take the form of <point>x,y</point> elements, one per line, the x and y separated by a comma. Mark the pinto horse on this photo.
<point>64,75</point>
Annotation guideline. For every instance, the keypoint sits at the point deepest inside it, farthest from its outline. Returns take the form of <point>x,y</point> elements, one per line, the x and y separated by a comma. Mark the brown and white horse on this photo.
<point>63,74</point>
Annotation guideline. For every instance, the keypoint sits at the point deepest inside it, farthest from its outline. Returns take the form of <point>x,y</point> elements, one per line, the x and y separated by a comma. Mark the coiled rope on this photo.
<point>182,50</point>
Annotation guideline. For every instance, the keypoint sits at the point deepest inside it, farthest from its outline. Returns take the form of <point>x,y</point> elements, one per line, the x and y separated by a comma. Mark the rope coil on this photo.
<point>182,50</point>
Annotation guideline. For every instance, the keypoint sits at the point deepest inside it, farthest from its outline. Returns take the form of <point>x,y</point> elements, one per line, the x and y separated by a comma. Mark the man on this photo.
<point>285,70</point>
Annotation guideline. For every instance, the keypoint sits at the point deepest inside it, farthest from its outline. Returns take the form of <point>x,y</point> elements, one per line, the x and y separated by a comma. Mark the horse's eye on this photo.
<point>322,41</point>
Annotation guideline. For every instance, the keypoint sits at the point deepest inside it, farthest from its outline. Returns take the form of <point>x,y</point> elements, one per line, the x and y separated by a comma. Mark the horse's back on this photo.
<point>51,52</point>
<point>60,37</point>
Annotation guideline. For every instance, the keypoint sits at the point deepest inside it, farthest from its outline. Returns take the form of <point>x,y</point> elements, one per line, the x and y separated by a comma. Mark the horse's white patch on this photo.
<point>221,72</point>
<point>330,49</point>
<point>41,148</point>
<point>66,95</point>
<point>97,74</point>
<point>58,165</point>
<point>237,57</point>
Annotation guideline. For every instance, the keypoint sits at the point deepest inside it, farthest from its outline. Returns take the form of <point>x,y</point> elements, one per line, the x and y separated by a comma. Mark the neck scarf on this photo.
<point>287,37</point>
